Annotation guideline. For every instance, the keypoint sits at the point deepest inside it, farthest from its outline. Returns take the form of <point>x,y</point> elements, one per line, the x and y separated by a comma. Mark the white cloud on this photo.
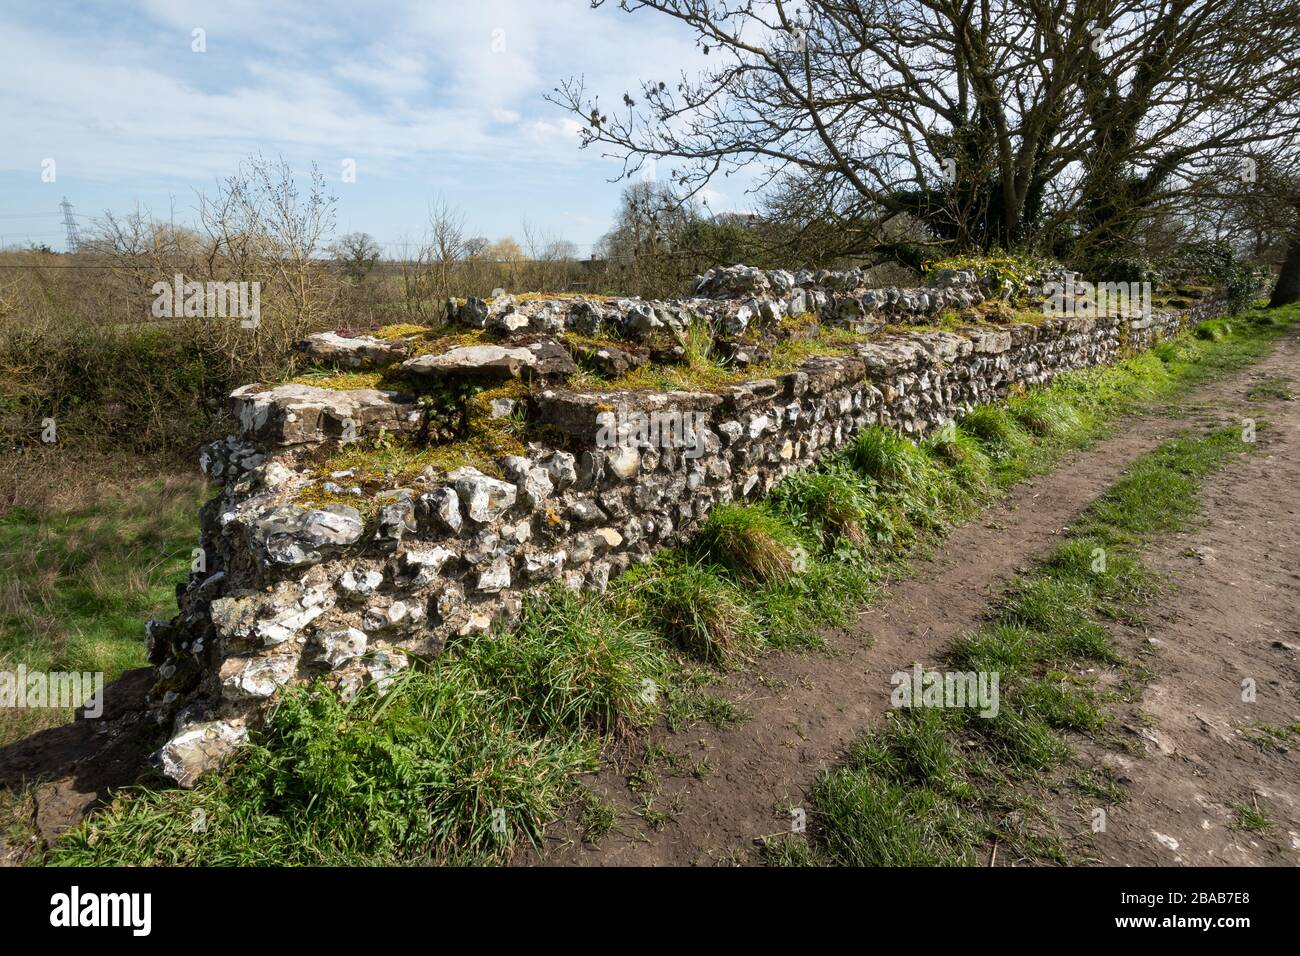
<point>413,90</point>
<point>563,131</point>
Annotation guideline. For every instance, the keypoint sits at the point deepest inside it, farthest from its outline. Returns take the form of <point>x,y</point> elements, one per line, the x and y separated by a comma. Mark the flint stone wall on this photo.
<point>290,592</point>
<point>734,300</point>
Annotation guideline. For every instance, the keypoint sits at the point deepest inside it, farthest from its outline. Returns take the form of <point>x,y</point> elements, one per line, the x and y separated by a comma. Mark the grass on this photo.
<point>891,459</point>
<point>997,431</point>
<point>753,542</point>
<point>960,450</point>
<point>76,583</point>
<point>1249,820</point>
<point>699,610</point>
<point>834,503</point>
<point>597,817</point>
<point>453,764</point>
<point>1271,389</point>
<point>472,753</point>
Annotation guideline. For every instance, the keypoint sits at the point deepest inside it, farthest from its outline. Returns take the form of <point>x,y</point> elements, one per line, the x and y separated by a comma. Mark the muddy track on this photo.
<point>1223,644</point>
<point>805,708</point>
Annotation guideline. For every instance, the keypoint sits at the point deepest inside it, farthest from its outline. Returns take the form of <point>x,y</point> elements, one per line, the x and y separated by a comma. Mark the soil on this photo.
<point>1230,614</point>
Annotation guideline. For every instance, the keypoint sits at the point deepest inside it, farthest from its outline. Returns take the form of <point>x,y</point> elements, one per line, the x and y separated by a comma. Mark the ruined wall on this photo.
<point>291,592</point>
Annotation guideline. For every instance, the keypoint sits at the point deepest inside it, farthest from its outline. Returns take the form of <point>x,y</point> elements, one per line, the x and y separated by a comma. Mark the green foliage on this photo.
<point>959,450</point>
<point>697,609</point>
<point>885,455</point>
<point>832,504</point>
<point>1013,273</point>
<point>1045,415</point>
<point>574,662</point>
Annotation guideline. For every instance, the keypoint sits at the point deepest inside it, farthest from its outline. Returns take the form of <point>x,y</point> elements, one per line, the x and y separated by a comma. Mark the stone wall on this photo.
<point>735,300</point>
<point>290,592</point>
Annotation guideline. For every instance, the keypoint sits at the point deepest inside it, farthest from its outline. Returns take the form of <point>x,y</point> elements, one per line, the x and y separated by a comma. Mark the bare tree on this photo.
<point>356,254</point>
<point>991,123</point>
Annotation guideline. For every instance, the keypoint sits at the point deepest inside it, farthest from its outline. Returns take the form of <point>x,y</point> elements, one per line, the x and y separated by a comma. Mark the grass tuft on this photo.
<point>699,611</point>
<point>997,431</point>
<point>1045,415</point>
<point>751,541</point>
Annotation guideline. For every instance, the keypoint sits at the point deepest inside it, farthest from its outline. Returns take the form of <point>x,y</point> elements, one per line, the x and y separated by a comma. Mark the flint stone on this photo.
<point>395,520</point>
<point>485,498</point>
<point>256,678</point>
<point>623,461</point>
<point>303,414</point>
<point>441,506</point>
<point>496,576</point>
<point>545,358</point>
<point>584,318</point>
<point>359,582</point>
<point>198,749</point>
<point>609,361</point>
<point>336,648</point>
<point>291,536</point>
<point>562,467</point>
<point>399,614</point>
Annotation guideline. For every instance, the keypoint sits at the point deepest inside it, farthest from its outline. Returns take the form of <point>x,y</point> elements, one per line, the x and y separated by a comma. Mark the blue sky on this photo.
<point>433,100</point>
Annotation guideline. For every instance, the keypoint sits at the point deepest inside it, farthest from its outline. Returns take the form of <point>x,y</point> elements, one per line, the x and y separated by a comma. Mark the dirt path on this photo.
<point>1198,750</point>
<point>806,708</point>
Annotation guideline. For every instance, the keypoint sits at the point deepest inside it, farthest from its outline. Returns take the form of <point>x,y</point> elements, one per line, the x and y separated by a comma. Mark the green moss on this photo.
<point>399,331</point>
<point>435,343</point>
<point>788,353</point>
<point>390,460</point>
<point>564,296</point>
<point>678,378</point>
<point>345,381</point>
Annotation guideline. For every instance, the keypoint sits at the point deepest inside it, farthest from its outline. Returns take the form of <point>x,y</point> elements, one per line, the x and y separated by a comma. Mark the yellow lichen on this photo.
<point>539,296</point>
<point>347,381</point>
<point>401,330</point>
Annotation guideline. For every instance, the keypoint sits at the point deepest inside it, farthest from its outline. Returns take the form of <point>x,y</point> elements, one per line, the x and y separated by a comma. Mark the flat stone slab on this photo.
<point>545,358</point>
<point>360,351</point>
<point>299,414</point>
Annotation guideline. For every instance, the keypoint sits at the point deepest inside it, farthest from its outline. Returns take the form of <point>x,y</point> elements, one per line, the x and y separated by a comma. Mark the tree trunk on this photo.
<point>1287,289</point>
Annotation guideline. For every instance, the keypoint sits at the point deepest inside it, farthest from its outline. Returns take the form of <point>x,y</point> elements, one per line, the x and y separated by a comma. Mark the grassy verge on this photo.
<point>937,785</point>
<point>77,582</point>
<point>464,757</point>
